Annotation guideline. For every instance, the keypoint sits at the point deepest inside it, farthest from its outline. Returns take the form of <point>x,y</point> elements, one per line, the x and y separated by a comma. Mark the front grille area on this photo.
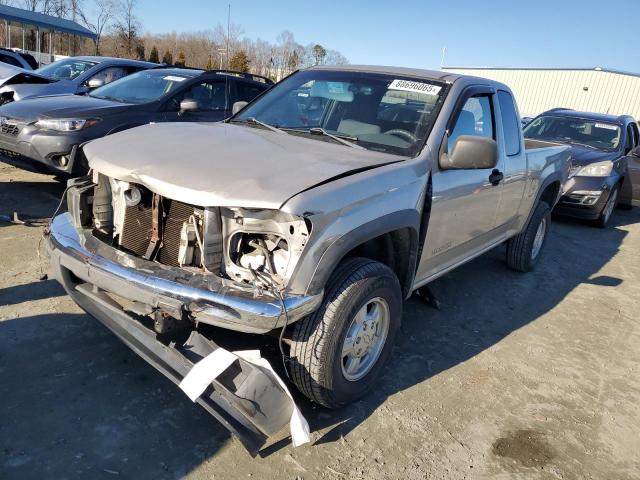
<point>137,229</point>
<point>9,129</point>
<point>177,213</point>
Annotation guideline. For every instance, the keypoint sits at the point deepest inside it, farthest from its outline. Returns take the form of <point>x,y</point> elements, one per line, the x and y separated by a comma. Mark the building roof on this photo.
<point>40,20</point>
<point>590,69</point>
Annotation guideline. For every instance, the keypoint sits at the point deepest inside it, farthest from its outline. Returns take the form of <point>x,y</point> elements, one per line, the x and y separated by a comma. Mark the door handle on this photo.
<point>496,177</point>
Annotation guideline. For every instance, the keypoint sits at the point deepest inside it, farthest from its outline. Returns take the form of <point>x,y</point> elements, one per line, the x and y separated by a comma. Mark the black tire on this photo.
<point>520,248</point>
<point>605,215</point>
<point>316,347</point>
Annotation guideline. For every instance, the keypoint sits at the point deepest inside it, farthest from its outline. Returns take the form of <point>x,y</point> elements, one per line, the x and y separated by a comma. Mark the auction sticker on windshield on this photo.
<point>173,78</point>
<point>606,125</point>
<point>416,87</point>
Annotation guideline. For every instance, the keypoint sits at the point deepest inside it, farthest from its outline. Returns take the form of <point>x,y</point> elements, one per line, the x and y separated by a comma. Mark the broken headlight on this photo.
<point>263,246</point>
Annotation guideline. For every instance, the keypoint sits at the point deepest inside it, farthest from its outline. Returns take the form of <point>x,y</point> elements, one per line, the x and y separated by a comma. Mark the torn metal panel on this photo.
<point>250,404</point>
<point>206,164</point>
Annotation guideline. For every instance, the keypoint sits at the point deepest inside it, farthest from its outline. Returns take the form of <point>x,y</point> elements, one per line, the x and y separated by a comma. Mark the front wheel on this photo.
<point>524,250</point>
<point>338,351</point>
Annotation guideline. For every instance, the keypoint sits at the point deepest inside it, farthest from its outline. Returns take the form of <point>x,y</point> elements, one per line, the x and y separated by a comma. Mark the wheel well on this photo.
<point>550,193</point>
<point>396,249</point>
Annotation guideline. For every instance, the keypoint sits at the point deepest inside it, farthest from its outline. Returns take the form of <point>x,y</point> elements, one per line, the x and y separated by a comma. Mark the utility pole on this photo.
<point>228,32</point>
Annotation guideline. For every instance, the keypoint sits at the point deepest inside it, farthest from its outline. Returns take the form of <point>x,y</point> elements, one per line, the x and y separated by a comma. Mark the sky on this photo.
<point>412,33</point>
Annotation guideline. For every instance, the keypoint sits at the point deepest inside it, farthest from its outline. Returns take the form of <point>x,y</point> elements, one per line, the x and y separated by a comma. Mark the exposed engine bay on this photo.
<point>259,247</point>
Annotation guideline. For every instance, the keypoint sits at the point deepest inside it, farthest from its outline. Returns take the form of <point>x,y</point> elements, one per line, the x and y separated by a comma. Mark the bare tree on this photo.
<point>127,25</point>
<point>99,19</point>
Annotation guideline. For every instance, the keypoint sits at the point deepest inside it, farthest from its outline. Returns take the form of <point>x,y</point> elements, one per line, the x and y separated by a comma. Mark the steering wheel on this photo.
<point>404,134</point>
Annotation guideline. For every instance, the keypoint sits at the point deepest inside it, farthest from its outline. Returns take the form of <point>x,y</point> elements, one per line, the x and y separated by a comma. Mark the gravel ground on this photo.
<point>527,376</point>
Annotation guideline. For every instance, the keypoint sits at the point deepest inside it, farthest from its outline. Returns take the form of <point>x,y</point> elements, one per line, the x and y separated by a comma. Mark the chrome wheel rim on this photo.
<point>611,203</point>
<point>539,238</point>
<point>365,339</point>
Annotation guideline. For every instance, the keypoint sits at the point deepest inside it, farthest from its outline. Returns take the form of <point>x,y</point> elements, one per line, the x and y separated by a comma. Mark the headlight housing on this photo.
<point>600,169</point>
<point>66,124</point>
<point>261,244</point>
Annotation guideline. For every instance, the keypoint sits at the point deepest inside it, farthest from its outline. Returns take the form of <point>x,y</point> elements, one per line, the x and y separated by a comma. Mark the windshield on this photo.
<point>141,87</point>
<point>386,113</point>
<point>575,131</point>
<point>66,69</point>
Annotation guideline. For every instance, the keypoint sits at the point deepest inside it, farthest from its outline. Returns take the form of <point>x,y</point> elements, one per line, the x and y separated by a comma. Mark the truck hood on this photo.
<point>61,106</point>
<point>225,165</point>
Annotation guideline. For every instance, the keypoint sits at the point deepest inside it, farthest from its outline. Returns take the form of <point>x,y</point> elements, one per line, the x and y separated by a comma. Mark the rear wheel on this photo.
<point>338,351</point>
<point>609,207</point>
<point>524,250</point>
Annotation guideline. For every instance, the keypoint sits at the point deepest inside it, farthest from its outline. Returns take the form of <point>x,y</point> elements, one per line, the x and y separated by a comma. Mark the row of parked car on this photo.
<point>308,215</point>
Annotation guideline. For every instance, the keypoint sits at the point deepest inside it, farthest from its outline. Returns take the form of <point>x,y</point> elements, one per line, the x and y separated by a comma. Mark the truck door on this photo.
<point>515,163</point>
<point>465,203</point>
<point>631,187</point>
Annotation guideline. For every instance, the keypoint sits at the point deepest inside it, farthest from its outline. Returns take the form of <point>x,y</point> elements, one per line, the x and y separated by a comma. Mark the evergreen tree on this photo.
<point>239,62</point>
<point>154,56</point>
<point>319,53</point>
<point>167,58</point>
<point>140,53</point>
<point>181,59</point>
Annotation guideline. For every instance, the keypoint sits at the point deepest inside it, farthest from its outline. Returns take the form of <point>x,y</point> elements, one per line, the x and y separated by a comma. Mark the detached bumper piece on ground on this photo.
<point>247,397</point>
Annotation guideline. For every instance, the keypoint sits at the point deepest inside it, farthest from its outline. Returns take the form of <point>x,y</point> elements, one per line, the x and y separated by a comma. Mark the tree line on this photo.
<point>120,33</point>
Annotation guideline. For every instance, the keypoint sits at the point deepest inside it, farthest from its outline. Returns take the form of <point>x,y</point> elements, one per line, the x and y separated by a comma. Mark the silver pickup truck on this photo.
<point>310,215</point>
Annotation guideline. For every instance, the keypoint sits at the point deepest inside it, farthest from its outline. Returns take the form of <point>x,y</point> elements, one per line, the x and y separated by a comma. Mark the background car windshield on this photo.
<point>385,113</point>
<point>67,69</point>
<point>141,87</point>
<point>598,135</point>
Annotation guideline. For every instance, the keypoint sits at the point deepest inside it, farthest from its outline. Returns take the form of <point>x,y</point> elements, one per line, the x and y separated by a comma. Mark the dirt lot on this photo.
<point>527,376</point>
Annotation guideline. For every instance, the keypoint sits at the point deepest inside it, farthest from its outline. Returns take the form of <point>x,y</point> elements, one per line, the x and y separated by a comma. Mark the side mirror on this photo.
<point>238,106</point>
<point>95,83</point>
<point>471,152</point>
<point>189,105</point>
<point>635,152</point>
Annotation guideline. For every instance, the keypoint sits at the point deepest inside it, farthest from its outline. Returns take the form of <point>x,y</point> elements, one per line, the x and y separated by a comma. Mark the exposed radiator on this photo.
<point>137,231</point>
<point>177,213</point>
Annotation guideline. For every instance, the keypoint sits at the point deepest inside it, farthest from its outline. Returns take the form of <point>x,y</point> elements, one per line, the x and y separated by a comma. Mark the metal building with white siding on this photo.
<point>592,90</point>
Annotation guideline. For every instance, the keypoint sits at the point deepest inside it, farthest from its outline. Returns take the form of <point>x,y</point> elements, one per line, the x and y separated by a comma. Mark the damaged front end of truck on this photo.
<point>157,272</point>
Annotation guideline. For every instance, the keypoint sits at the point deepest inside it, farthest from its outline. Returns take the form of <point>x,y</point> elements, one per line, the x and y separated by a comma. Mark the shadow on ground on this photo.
<point>76,403</point>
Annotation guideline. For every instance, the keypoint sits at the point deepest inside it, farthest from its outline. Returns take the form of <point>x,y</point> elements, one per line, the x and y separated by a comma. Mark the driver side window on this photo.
<point>210,96</point>
<point>110,74</point>
<point>475,118</point>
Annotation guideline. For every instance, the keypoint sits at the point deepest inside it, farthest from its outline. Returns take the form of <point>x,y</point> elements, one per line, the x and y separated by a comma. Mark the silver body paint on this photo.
<point>241,167</point>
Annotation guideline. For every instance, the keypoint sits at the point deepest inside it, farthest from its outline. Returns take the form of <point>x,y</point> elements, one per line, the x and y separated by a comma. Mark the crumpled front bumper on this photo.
<point>246,398</point>
<point>207,298</point>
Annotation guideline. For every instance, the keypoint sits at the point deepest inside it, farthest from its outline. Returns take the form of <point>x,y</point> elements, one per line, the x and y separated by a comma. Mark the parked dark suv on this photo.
<point>48,130</point>
<point>605,168</point>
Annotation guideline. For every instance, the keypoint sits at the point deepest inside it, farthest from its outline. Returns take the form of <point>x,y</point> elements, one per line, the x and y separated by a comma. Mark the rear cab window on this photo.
<point>510,123</point>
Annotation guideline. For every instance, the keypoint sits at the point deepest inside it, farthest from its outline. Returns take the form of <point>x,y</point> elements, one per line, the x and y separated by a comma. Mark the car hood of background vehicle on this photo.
<point>10,74</point>
<point>225,165</point>
<point>585,156</point>
<point>61,106</point>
